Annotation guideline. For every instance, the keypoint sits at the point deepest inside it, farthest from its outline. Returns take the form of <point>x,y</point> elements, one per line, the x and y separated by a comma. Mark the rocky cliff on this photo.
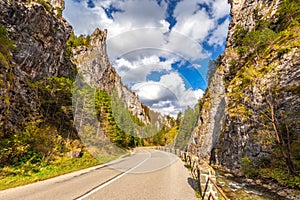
<point>35,80</point>
<point>40,40</point>
<point>94,65</point>
<point>40,37</point>
<point>250,118</point>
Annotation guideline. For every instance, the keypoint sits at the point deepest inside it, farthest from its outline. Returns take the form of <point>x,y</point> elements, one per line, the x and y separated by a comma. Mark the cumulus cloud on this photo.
<point>166,108</point>
<point>169,95</point>
<point>83,19</point>
<point>133,40</point>
<point>141,41</point>
<point>220,8</point>
<point>219,35</point>
<point>134,15</point>
<point>137,70</point>
<point>191,21</point>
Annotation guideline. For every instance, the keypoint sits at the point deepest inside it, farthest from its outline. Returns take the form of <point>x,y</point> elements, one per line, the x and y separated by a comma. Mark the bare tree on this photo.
<point>280,127</point>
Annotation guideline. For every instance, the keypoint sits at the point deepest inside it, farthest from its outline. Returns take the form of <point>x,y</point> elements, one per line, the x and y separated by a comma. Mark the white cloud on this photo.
<point>220,8</point>
<point>135,39</point>
<point>169,95</point>
<point>185,47</point>
<point>186,8</point>
<point>85,20</point>
<point>191,21</point>
<point>166,108</point>
<point>137,70</point>
<point>135,14</point>
<point>219,35</point>
<point>175,83</point>
<point>197,22</point>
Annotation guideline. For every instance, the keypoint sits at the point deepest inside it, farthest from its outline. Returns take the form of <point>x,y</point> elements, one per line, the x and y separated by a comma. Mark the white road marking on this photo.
<point>114,179</point>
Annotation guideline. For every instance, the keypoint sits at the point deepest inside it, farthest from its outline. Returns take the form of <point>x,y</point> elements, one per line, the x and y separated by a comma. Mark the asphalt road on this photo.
<point>146,174</point>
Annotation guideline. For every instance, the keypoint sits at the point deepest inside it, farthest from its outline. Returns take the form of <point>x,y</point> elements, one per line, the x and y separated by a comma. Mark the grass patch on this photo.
<point>107,158</point>
<point>13,176</point>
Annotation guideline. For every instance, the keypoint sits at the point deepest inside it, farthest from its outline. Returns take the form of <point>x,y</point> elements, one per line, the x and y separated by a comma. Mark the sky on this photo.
<point>160,48</point>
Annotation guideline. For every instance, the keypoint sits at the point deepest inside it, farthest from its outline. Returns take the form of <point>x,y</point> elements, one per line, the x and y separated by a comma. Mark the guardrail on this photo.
<point>200,171</point>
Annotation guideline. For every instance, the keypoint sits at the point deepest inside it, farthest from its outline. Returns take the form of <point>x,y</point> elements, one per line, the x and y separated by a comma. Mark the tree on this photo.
<point>212,68</point>
<point>186,127</point>
<point>280,127</point>
<point>179,118</point>
<point>274,118</point>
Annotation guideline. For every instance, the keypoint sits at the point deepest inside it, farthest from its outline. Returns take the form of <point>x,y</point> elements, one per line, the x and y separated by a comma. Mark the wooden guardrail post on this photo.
<point>189,160</point>
<point>184,157</point>
<point>217,188</point>
<point>206,188</point>
<point>207,184</point>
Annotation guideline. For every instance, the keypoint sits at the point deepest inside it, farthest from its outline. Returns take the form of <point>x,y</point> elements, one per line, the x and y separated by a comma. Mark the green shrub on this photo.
<point>46,5</point>
<point>248,168</point>
<point>243,49</point>
<point>289,14</point>
<point>59,11</point>
<point>6,45</point>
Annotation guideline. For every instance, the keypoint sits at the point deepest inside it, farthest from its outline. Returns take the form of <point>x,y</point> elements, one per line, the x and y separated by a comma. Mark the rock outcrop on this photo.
<point>40,39</point>
<point>39,36</point>
<point>94,64</point>
<point>251,109</point>
<point>35,82</point>
<point>211,120</point>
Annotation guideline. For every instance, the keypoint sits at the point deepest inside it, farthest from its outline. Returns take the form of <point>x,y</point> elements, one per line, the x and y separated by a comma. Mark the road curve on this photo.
<point>146,174</point>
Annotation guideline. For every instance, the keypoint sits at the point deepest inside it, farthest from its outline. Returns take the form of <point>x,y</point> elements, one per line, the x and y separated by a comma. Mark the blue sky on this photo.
<point>160,48</point>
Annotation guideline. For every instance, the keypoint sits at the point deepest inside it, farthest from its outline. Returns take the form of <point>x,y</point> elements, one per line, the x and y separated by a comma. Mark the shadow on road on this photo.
<point>193,183</point>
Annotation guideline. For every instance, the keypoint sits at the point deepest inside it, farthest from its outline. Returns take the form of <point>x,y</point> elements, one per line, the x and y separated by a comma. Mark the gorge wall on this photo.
<point>35,80</point>
<point>37,75</point>
<point>250,115</point>
<point>40,39</point>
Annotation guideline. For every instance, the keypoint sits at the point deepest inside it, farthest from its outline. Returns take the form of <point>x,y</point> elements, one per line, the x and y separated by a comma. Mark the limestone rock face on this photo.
<point>39,36</point>
<point>37,79</point>
<point>94,64</point>
<point>234,121</point>
<point>211,120</point>
<point>58,4</point>
<point>245,14</point>
<point>40,39</point>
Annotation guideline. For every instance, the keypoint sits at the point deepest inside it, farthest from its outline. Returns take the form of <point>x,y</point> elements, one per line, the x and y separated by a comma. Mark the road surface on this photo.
<point>146,174</point>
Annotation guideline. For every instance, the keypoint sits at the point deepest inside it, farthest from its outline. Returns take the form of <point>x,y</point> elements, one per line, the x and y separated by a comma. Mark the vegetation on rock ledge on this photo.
<point>256,73</point>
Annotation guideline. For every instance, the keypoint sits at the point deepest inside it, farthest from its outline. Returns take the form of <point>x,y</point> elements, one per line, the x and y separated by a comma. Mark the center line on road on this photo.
<point>112,180</point>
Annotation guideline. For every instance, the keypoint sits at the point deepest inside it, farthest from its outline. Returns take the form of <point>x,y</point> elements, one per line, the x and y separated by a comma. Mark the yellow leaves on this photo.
<point>296,43</point>
<point>22,148</point>
<point>276,46</point>
<point>39,121</point>
<point>264,137</point>
<point>6,99</point>
<point>3,61</point>
<point>8,85</point>
<point>206,105</point>
<point>240,111</point>
<point>171,134</point>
